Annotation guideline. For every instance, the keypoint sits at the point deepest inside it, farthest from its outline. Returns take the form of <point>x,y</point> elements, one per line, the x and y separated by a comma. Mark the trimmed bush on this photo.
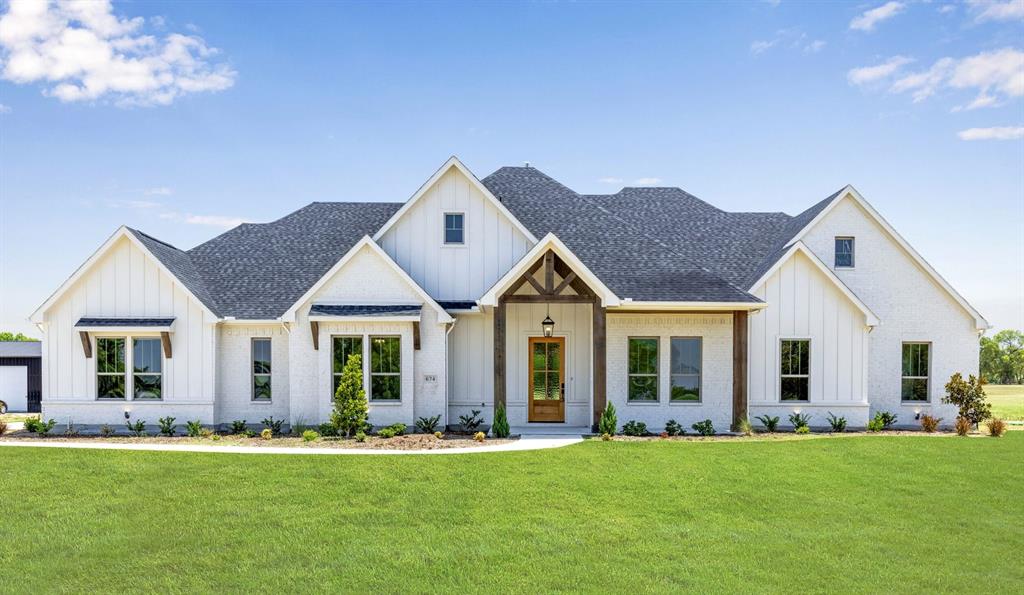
<point>307,436</point>
<point>634,428</point>
<point>266,434</point>
<point>799,420</point>
<point>479,436</point>
<point>500,429</point>
<point>963,426</point>
<point>193,428</point>
<point>875,425</point>
<point>472,421</point>
<point>239,426</point>
<point>674,428</point>
<point>704,428</point>
<point>360,436</point>
<point>351,409</point>
<point>106,431</point>
<point>326,430</point>
<point>887,418</point>
<point>428,425</point>
<point>167,426</point>
<point>137,429</point>
<point>745,428</point>
<point>275,425</point>
<point>608,421</point>
<point>803,430</point>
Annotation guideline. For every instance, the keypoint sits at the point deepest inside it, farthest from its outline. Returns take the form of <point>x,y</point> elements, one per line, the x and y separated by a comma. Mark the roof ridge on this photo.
<point>155,239</point>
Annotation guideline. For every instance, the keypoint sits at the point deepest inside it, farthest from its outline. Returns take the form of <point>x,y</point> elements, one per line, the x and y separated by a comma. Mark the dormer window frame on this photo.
<point>444,229</point>
<point>852,253</point>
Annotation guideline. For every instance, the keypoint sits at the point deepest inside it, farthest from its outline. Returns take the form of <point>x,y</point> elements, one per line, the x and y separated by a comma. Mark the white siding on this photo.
<point>803,303</point>
<point>126,282</point>
<point>715,331</point>
<point>416,241</point>
<point>234,383</point>
<point>910,305</point>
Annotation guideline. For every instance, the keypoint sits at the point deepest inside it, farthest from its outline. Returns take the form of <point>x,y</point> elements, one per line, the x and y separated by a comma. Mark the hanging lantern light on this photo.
<point>547,324</point>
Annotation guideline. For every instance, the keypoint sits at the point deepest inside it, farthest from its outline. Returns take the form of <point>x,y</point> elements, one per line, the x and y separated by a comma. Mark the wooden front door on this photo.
<point>547,379</point>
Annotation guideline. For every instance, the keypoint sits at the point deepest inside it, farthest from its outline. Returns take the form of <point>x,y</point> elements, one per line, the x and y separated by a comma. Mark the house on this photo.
<point>20,365</point>
<point>513,290</point>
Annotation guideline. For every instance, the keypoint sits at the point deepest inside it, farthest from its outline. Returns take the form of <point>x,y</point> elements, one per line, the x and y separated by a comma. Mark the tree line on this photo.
<point>1002,358</point>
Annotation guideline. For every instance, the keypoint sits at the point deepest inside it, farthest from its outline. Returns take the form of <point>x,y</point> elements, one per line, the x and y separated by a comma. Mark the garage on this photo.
<point>20,382</point>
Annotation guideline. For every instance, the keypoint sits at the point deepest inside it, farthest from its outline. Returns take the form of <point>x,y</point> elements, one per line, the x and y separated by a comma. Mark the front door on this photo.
<point>547,379</point>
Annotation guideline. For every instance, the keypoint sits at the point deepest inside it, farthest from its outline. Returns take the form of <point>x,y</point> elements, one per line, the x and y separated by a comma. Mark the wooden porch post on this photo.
<point>600,359</point>
<point>739,368</point>
<point>499,353</point>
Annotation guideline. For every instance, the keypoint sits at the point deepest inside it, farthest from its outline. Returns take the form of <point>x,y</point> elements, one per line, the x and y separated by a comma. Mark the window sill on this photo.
<point>914,403</point>
<point>264,402</point>
<point>643,403</point>
<point>382,402</point>
<point>686,403</point>
<point>454,246</point>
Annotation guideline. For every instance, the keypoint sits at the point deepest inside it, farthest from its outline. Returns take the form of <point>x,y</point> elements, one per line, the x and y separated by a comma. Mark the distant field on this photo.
<point>1007,400</point>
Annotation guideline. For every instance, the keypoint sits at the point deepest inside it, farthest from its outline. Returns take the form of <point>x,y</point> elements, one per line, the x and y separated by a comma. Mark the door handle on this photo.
<point>562,391</point>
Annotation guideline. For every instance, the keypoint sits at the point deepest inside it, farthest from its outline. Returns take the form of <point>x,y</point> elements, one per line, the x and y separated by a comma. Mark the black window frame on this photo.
<point>460,229</point>
<point>259,373</point>
<point>786,372</point>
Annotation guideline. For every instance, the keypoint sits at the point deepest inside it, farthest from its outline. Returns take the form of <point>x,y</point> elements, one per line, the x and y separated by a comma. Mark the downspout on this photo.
<point>447,368</point>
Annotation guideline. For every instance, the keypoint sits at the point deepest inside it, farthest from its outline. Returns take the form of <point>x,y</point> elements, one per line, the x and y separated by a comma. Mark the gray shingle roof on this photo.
<point>140,322</point>
<point>365,310</point>
<point>21,349</point>
<point>650,244</point>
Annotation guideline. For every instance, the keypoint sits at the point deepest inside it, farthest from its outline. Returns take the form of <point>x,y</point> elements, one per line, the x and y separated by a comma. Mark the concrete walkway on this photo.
<point>532,442</point>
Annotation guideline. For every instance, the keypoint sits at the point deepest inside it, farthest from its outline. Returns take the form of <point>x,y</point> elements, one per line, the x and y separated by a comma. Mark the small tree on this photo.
<point>609,421</point>
<point>969,396</point>
<point>350,406</point>
<point>500,428</point>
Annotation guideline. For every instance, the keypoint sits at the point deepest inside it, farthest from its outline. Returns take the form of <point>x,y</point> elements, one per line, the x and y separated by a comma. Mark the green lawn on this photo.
<point>1007,400</point>
<point>855,514</point>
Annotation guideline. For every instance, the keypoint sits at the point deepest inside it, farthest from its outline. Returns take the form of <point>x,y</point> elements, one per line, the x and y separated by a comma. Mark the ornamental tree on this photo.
<point>350,407</point>
<point>969,396</point>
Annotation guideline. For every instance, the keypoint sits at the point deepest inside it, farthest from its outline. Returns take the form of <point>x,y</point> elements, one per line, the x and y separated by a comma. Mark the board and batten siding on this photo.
<point>127,282</point>
<point>492,242</point>
<point>803,303</point>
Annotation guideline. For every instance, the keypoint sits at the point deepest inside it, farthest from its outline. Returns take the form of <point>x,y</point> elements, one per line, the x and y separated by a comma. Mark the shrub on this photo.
<point>298,429</point>
<point>608,421</point>
<point>704,428</point>
<point>930,423</point>
<point>350,407</point>
<point>963,426</point>
<point>472,421</point>
<point>634,428</point>
<point>500,429</point>
<point>887,418</point>
<point>803,430</point>
<point>969,396</point>
<point>193,428</point>
<point>387,432</point>
<point>207,433</point>
<point>3,427</point>
<point>250,433</point>
<point>770,423</point>
<point>325,429</point>
<point>138,429</point>
<point>307,436</point>
<point>167,426</point>
<point>106,431</point>
<point>360,436</point>
<point>674,428</point>
<point>214,437</point>
<point>996,427</point>
<point>479,436</point>
<point>31,423</point>
<point>266,434</point>
<point>274,424</point>
<point>43,428</point>
<point>838,423</point>
<point>799,420</point>
<point>438,435</point>
<point>606,437</point>
<point>428,425</point>
<point>745,428</point>
<point>238,426</point>
<point>875,425</point>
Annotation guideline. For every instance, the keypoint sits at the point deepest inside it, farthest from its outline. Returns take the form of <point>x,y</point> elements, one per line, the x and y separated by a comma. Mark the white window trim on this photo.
<point>370,373</point>
<point>927,379</point>
<point>444,230</point>
<point>657,373</point>
<point>362,353</point>
<point>129,367</point>
<point>778,366</point>
<point>699,374</point>
<point>252,370</point>
<point>853,253</point>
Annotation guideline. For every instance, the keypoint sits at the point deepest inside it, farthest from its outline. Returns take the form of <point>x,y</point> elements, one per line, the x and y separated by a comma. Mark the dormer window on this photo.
<point>454,229</point>
<point>844,253</point>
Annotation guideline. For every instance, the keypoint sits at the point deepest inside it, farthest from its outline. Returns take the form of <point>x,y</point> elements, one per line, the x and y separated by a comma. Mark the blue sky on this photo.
<point>183,118</point>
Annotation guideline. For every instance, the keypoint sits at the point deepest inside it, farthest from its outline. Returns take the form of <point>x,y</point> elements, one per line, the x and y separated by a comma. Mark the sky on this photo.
<point>183,119</point>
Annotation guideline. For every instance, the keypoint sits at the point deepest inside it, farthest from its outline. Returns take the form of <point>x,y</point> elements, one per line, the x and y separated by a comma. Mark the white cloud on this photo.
<point>989,10</point>
<point>610,180</point>
<point>947,8</point>
<point>994,133</point>
<point>5,109</point>
<point>82,51</point>
<point>870,18</point>
<point>214,220</point>
<point>158,191</point>
<point>759,47</point>
<point>646,181</point>
<point>996,76</point>
<point>814,47</point>
<point>792,38</point>
<point>870,74</point>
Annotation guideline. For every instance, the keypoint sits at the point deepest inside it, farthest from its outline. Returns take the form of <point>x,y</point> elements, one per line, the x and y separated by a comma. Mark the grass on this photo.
<point>16,417</point>
<point>852,514</point>
<point>1007,400</point>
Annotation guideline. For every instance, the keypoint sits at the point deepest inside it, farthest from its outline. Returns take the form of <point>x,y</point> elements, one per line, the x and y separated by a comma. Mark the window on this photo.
<point>261,370</point>
<point>844,252</point>
<point>795,369</point>
<point>643,370</point>
<point>685,369</point>
<point>110,368</point>
<point>916,360</point>
<point>147,361</point>
<point>454,228</point>
<point>341,349</point>
<point>385,368</point>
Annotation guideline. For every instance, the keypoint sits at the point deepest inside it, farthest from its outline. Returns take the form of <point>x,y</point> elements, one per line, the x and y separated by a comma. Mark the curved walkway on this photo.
<point>534,442</point>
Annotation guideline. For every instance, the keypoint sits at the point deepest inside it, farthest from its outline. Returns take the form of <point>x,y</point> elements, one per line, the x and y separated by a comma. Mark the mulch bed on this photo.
<point>775,436</point>
<point>405,442</point>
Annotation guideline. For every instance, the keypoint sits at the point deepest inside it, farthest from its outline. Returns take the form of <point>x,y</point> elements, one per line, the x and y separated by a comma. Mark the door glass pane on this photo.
<point>539,386</point>
<point>554,386</point>
<point>554,356</point>
<point>540,359</point>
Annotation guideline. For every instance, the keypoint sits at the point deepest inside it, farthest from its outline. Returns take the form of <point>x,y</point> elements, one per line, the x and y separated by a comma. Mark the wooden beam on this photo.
<point>86,343</point>
<point>165,338</point>
<point>549,272</point>
<point>739,368</point>
<point>599,340</point>
<point>315,327</point>
<point>537,286</point>
<point>522,279</point>
<point>577,284</point>
<point>499,353</point>
<point>565,283</point>
<point>416,335</point>
<point>542,299</point>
